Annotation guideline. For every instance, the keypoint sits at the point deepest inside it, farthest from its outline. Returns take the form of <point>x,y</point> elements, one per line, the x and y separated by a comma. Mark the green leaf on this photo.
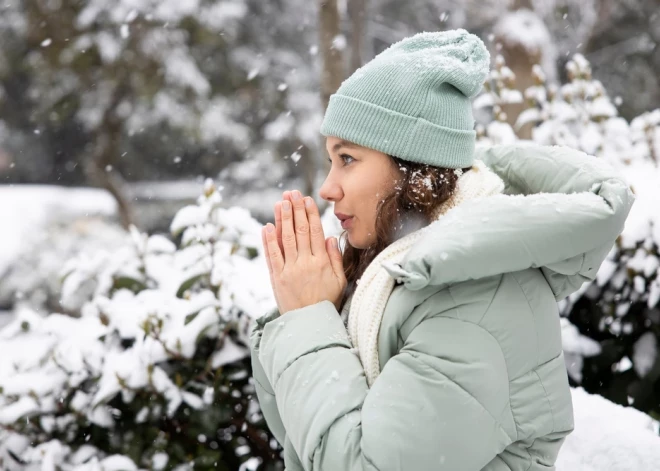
<point>128,283</point>
<point>252,252</point>
<point>206,458</point>
<point>201,334</point>
<point>188,283</point>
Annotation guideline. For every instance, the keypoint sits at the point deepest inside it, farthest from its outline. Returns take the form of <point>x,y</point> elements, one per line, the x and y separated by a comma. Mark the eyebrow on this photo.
<point>341,144</point>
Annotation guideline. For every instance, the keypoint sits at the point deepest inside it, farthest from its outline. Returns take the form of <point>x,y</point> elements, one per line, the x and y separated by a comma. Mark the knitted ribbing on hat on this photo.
<point>375,286</point>
<point>413,100</point>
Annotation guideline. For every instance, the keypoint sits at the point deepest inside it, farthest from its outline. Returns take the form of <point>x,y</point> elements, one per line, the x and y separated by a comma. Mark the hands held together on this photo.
<point>305,267</point>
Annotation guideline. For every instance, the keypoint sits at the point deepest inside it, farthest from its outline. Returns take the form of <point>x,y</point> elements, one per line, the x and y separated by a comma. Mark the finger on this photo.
<point>270,268</point>
<point>264,242</point>
<point>301,224</point>
<point>274,254</point>
<point>286,195</point>
<point>316,235</point>
<point>278,224</point>
<point>335,256</point>
<point>288,232</point>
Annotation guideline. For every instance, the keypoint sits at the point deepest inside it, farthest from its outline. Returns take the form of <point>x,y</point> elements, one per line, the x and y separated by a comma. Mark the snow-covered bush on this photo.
<point>154,372</point>
<point>33,276</point>
<point>43,227</point>
<point>612,326</point>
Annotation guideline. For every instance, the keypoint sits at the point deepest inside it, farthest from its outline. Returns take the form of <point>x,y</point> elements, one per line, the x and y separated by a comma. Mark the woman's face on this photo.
<point>359,179</point>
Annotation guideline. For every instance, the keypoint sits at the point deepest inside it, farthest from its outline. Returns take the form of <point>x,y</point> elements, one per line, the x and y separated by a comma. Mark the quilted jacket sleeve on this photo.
<point>436,404</point>
<point>562,214</point>
<point>266,395</point>
<point>528,168</point>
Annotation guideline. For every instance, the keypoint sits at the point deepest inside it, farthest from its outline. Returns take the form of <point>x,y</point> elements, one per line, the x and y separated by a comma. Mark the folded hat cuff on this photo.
<point>407,137</point>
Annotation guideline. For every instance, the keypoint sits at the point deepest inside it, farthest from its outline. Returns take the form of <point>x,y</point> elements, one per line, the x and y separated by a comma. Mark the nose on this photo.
<point>331,190</point>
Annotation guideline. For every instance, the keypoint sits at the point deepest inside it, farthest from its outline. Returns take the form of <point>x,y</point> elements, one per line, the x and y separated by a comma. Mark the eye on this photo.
<point>344,157</point>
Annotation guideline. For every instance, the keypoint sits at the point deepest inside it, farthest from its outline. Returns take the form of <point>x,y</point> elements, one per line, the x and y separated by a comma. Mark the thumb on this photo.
<point>332,245</point>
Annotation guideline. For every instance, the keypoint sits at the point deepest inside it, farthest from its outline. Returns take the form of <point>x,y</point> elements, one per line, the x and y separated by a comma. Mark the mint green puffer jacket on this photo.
<point>472,371</point>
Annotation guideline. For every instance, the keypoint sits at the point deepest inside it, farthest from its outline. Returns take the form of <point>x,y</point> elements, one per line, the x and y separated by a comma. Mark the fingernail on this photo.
<point>334,242</point>
<point>297,195</point>
<point>269,227</point>
<point>286,205</point>
<point>308,202</point>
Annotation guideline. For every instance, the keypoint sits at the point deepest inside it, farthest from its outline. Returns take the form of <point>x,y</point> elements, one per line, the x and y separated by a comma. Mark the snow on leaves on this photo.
<point>144,309</point>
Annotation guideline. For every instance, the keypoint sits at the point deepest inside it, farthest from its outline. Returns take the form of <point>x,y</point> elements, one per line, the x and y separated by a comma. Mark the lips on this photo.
<point>345,219</point>
<point>347,223</point>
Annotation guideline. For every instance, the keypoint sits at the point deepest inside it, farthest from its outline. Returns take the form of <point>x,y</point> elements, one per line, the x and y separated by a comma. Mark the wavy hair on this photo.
<point>419,190</point>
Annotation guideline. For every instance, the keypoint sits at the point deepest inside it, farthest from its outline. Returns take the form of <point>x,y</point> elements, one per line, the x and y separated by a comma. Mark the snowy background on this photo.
<point>143,144</point>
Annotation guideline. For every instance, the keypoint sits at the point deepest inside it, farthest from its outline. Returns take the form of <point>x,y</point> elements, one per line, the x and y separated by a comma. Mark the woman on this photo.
<point>447,353</point>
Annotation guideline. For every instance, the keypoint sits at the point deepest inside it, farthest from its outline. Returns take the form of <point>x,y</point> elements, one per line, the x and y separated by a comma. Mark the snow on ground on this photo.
<point>609,437</point>
<point>178,190</point>
<point>27,209</point>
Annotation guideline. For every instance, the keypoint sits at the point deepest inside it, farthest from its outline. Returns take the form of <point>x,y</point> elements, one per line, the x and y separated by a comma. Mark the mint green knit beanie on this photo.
<point>412,100</point>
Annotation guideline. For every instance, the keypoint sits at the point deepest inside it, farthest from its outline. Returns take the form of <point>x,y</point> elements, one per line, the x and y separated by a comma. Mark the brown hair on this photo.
<point>419,191</point>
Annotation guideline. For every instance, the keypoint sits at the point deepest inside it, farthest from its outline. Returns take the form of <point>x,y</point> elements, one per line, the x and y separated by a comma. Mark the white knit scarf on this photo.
<point>375,286</point>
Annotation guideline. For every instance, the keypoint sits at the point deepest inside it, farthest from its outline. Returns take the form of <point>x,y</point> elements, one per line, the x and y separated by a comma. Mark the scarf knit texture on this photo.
<point>368,302</point>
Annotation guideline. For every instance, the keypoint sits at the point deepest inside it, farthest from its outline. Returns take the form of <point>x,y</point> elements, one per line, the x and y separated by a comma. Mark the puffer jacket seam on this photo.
<point>420,356</point>
<point>439,292</point>
<point>262,386</point>
<point>256,336</point>
<point>370,462</point>
<point>539,366</point>
<point>547,398</point>
<point>531,458</point>
<point>399,339</point>
<point>495,291</point>
<point>531,313</point>
<point>318,446</point>
<point>506,366</point>
<point>304,354</point>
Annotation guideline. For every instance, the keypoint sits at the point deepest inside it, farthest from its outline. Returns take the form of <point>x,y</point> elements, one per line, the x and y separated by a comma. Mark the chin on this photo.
<point>357,242</point>
<point>352,242</point>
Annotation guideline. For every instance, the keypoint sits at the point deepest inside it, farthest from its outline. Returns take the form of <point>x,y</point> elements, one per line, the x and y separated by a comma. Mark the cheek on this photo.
<point>368,192</point>
<point>368,202</point>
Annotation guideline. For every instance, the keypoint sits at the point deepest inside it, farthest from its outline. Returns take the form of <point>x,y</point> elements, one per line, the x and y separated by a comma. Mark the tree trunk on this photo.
<point>332,72</point>
<point>101,168</point>
<point>357,10</point>
<point>518,4</point>
<point>520,59</point>
<point>309,165</point>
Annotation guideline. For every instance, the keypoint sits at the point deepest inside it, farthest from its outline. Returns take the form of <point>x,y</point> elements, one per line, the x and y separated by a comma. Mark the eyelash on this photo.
<point>343,157</point>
